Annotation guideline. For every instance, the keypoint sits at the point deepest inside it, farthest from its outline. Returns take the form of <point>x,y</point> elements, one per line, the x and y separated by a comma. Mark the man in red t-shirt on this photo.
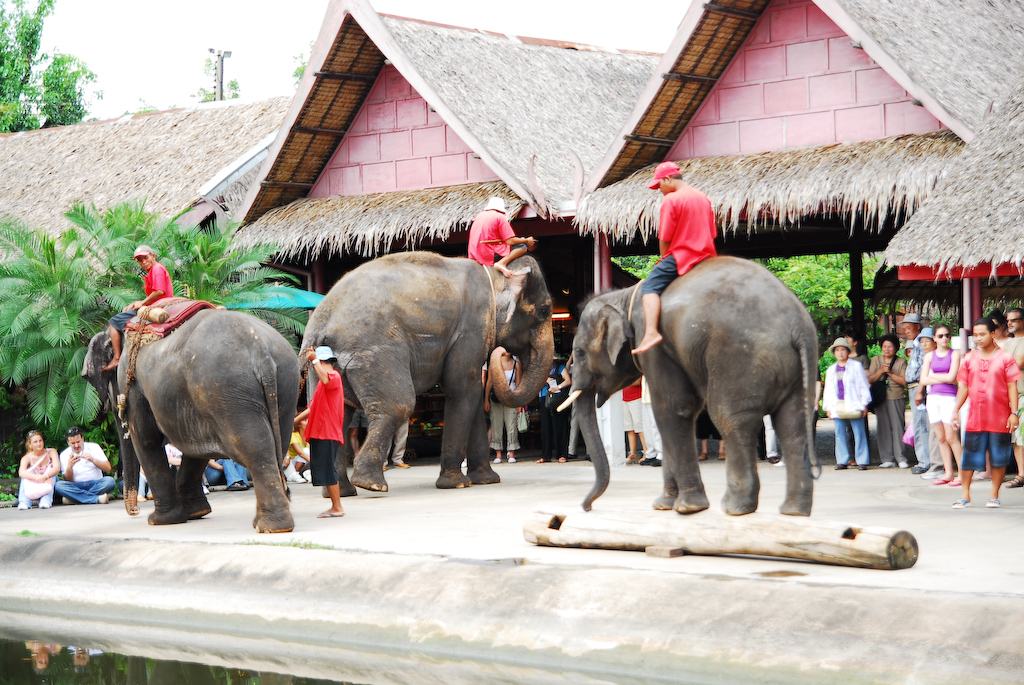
<point>157,284</point>
<point>325,417</point>
<point>988,375</point>
<point>686,236</point>
<point>492,240</point>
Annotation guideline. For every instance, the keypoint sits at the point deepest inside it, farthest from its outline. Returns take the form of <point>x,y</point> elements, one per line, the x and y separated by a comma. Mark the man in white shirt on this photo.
<point>82,466</point>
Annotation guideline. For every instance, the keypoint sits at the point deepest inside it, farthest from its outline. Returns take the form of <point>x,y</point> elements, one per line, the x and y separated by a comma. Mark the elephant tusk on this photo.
<point>569,400</point>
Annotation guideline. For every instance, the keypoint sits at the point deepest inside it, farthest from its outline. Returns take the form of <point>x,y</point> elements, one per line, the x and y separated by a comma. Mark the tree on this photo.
<point>35,87</point>
<point>210,70</point>
<point>57,292</point>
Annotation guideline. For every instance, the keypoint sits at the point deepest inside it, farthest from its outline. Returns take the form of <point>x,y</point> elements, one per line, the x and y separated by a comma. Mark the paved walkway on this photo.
<point>449,572</point>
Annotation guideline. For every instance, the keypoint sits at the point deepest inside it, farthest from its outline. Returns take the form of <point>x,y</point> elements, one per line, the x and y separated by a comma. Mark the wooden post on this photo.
<point>711,532</point>
<point>857,289</point>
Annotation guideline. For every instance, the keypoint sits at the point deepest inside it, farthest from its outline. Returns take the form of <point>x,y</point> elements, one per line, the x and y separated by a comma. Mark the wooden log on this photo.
<point>712,532</point>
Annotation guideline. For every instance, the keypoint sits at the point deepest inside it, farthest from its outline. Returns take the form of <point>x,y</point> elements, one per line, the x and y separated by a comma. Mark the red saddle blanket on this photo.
<point>179,311</point>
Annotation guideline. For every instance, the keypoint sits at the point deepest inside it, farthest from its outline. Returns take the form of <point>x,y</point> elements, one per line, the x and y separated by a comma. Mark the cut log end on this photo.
<point>902,550</point>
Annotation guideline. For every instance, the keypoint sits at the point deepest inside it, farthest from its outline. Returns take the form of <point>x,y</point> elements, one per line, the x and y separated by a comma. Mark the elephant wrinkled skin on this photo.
<point>404,322</point>
<point>223,385</point>
<point>737,340</point>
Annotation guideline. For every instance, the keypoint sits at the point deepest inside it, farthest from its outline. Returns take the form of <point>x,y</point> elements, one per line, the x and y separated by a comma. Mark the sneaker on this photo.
<point>886,465</point>
<point>103,499</point>
<point>45,505</point>
<point>932,475</point>
<point>237,487</point>
<point>649,461</point>
<point>780,462</point>
<point>918,470</point>
<point>296,478</point>
<point>863,467</point>
<point>24,507</point>
<point>904,465</point>
<point>511,460</point>
<point>840,467</point>
<point>307,476</point>
<point>497,460</point>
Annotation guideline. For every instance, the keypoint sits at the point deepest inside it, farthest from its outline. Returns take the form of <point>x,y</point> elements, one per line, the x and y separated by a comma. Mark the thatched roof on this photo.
<point>371,224</point>
<point>888,289</point>
<point>508,98</point>
<point>877,178</point>
<point>961,54</point>
<point>952,56</point>
<point>976,213</point>
<point>163,156</point>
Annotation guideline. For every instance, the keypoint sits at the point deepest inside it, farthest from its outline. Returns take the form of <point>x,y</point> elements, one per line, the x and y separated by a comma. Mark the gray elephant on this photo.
<point>404,322</point>
<point>736,340</point>
<point>223,385</point>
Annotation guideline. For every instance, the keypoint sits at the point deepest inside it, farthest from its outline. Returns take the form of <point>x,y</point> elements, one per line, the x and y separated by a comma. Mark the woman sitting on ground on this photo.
<point>38,470</point>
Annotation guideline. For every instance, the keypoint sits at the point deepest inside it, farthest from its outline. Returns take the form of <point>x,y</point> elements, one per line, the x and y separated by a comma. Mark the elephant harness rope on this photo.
<point>135,340</point>
<point>629,320</point>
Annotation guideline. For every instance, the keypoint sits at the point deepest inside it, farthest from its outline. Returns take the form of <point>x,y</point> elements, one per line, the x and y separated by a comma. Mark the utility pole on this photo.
<point>219,64</point>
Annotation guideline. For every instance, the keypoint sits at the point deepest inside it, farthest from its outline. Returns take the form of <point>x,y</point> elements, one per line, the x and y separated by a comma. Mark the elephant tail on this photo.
<point>809,365</point>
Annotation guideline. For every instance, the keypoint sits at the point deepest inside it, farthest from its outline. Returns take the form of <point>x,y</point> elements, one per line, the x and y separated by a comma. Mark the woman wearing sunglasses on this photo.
<point>938,374</point>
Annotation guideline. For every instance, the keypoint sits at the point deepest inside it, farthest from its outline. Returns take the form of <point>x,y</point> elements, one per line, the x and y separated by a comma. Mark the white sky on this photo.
<point>153,53</point>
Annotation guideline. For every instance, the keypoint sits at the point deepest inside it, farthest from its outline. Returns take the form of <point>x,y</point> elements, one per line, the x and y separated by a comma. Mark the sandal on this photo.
<point>940,481</point>
<point>961,504</point>
<point>703,456</point>
<point>633,457</point>
<point>992,503</point>
<point>955,483</point>
<point>1017,482</point>
<point>561,460</point>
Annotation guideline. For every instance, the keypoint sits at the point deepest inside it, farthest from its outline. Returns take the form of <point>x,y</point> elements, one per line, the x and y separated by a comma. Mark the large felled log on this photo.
<point>712,532</point>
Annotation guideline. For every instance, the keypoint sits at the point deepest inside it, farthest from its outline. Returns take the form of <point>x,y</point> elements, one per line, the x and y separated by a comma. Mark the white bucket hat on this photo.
<point>497,204</point>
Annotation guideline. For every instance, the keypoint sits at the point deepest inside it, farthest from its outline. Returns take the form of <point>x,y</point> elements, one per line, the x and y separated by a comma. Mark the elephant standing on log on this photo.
<point>737,340</point>
<point>222,385</point>
<point>404,322</point>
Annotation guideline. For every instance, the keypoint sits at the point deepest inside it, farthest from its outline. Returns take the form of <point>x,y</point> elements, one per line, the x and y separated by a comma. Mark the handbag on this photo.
<point>878,391</point>
<point>35,490</point>
<point>523,420</point>
<point>842,413</point>
<point>908,435</point>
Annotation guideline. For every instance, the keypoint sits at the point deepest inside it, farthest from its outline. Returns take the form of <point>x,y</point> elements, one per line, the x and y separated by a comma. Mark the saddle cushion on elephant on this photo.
<point>179,310</point>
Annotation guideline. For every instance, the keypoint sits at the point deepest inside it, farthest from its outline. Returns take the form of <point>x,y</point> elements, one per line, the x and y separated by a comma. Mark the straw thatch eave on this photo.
<point>708,38</point>
<point>976,214</point>
<point>161,156</point>
<point>947,294</point>
<point>372,224</point>
<point>878,179</point>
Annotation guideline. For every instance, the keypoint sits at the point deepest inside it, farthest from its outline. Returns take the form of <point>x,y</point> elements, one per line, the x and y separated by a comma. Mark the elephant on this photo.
<point>222,385</point>
<point>403,322</point>
<point>737,341</point>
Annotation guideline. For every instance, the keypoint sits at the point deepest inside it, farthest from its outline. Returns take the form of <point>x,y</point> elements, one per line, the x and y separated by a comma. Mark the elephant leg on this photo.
<point>387,406</point>
<point>190,487</point>
<point>149,447</point>
<point>676,406</point>
<point>479,469</point>
<point>341,460</point>
<point>790,423</point>
<point>741,433</point>
<point>463,412</point>
<point>253,447</point>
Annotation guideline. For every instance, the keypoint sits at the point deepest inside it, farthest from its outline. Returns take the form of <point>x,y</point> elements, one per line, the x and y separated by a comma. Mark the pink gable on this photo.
<point>798,81</point>
<point>397,143</point>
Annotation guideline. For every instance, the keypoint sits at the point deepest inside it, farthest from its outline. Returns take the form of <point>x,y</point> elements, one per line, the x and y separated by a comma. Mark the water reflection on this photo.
<point>47,663</point>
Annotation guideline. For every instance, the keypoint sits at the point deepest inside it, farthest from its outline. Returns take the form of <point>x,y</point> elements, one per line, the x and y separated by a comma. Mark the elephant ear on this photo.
<point>611,332</point>
<point>507,298</point>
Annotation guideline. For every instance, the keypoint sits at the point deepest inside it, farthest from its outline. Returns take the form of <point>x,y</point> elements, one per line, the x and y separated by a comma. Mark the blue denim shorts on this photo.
<point>998,446</point>
<point>661,276</point>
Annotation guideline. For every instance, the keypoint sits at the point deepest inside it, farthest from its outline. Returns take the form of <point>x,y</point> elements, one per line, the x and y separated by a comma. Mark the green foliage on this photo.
<point>300,65</point>
<point>35,86</point>
<point>57,292</point>
<point>638,265</point>
<point>231,90</point>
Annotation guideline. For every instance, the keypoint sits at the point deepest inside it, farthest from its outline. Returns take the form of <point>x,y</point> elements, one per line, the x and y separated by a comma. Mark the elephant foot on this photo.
<point>369,479</point>
<point>483,475</point>
<point>131,505</point>
<point>271,524</point>
<point>739,506</point>
<point>349,490</point>
<point>452,479</point>
<point>664,503</point>
<point>691,504</point>
<point>197,508</point>
<point>168,517</point>
<point>796,507</point>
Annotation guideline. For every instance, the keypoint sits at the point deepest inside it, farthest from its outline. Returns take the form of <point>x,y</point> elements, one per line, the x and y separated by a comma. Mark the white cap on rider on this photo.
<point>497,204</point>
<point>324,353</point>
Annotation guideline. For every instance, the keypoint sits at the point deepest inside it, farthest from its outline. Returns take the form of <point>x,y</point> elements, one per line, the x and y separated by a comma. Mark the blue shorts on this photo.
<point>120,320</point>
<point>520,248</point>
<point>998,446</point>
<point>661,276</point>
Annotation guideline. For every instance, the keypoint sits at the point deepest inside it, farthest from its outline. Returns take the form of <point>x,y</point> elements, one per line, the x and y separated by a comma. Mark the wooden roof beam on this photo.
<point>666,142</point>
<point>319,131</point>
<point>340,76</point>
<point>732,11</point>
<point>286,184</point>
<point>689,78</point>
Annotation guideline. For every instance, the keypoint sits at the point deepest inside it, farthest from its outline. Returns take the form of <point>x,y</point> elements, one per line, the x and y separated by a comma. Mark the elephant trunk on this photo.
<point>535,370</point>
<point>586,415</point>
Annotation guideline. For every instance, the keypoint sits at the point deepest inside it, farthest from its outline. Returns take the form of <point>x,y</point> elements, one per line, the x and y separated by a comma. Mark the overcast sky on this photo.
<point>152,54</point>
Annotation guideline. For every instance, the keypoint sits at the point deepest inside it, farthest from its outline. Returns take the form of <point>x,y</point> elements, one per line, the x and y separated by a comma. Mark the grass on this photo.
<point>29,534</point>
<point>300,544</point>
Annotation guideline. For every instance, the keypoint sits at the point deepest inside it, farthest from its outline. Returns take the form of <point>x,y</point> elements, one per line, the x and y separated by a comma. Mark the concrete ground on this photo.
<point>421,584</point>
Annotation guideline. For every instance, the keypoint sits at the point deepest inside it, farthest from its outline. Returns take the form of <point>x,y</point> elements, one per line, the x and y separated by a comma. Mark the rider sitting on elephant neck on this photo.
<point>326,415</point>
<point>686,236</point>
<point>492,241</point>
<point>158,286</point>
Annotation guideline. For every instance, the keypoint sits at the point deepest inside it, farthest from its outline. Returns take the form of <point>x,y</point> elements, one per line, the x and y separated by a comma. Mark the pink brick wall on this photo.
<point>798,81</point>
<point>397,143</point>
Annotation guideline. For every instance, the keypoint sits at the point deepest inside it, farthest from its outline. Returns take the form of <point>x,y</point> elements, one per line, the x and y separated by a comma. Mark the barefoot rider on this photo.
<point>492,241</point>
<point>157,285</point>
<point>686,236</point>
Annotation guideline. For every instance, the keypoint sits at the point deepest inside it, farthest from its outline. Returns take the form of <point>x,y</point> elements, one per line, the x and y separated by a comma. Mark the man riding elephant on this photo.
<point>157,284</point>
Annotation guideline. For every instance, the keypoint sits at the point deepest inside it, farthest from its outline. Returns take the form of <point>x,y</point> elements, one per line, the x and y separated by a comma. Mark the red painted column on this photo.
<point>602,264</point>
<point>318,275</point>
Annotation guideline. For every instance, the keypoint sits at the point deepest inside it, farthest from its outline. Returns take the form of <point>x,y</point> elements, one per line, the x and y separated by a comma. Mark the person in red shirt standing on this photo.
<point>686,236</point>
<point>493,242</point>
<point>325,417</point>
<point>988,375</point>
<point>157,285</point>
